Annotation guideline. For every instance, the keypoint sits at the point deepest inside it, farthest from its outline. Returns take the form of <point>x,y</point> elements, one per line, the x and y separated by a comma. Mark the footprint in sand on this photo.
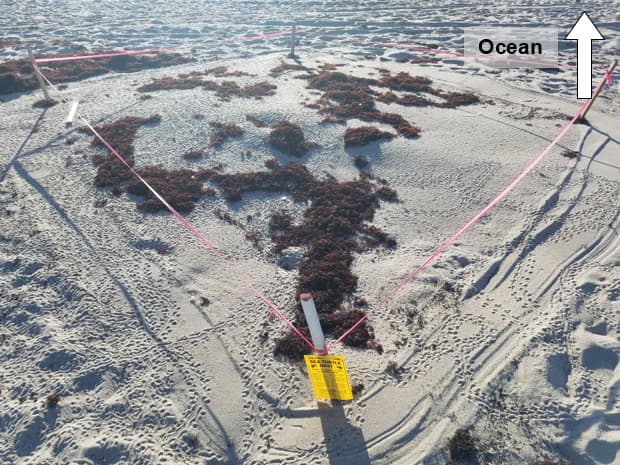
<point>603,451</point>
<point>106,454</point>
<point>599,358</point>
<point>599,328</point>
<point>60,360</point>
<point>558,371</point>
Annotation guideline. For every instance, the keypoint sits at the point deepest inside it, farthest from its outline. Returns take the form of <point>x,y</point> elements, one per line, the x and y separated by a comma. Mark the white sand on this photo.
<point>526,351</point>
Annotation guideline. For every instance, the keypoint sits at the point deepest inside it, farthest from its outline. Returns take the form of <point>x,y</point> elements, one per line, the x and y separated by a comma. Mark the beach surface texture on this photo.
<point>130,337</point>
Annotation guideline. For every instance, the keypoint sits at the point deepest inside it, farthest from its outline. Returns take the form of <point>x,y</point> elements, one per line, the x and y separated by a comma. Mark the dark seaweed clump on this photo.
<point>18,75</point>
<point>346,97</point>
<point>288,138</point>
<point>120,135</point>
<point>181,188</point>
<point>416,88</point>
<point>286,66</point>
<point>292,178</point>
<point>256,121</point>
<point>194,155</point>
<point>364,135</point>
<point>333,228</point>
<point>169,83</point>
<point>223,71</point>
<point>222,132</point>
<point>224,90</point>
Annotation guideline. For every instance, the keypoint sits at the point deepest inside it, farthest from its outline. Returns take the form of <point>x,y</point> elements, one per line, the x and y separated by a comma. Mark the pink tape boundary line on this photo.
<point>437,51</point>
<point>259,36</point>
<point>474,220</point>
<point>245,280</point>
<point>290,31</point>
<point>480,57</point>
<point>229,267</point>
<point>154,51</point>
<point>103,55</point>
<point>226,263</point>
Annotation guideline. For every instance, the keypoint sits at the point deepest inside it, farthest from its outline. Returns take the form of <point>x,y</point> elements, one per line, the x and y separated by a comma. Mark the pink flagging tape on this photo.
<point>414,48</point>
<point>437,51</point>
<point>260,36</point>
<point>223,261</point>
<point>227,264</point>
<point>103,55</point>
<point>230,268</point>
<point>607,72</point>
<point>474,220</point>
<point>155,50</point>
<point>40,73</point>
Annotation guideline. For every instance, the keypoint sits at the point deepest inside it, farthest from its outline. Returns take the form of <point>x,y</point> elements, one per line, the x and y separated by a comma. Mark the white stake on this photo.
<point>69,121</point>
<point>314,324</point>
<point>39,78</point>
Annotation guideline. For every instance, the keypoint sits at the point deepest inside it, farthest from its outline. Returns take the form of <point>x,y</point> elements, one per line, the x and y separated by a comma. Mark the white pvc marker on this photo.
<point>71,115</point>
<point>314,324</point>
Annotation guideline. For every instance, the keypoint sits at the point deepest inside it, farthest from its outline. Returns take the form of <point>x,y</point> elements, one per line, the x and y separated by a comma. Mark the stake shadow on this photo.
<point>21,153</point>
<point>18,153</point>
<point>23,173</point>
<point>344,443</point>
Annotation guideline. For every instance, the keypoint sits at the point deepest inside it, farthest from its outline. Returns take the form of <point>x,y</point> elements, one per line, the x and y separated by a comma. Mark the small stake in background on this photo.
<point>293,40</point>
<point>39,78</point>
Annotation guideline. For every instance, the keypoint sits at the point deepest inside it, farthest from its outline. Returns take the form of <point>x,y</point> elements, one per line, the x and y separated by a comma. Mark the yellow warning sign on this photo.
<point>328,375</point>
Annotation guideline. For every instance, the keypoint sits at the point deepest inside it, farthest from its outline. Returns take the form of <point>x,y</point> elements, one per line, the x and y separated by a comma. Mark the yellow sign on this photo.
<point>328,375</point>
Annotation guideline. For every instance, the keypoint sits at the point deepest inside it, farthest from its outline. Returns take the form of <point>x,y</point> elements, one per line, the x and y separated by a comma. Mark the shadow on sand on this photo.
<point>344,442</point>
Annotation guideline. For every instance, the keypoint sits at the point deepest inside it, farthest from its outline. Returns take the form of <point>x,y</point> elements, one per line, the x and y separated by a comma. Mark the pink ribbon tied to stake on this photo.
<point>608,77</point>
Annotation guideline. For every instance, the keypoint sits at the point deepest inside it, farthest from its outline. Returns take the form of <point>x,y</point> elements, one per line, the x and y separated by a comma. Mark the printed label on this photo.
<point>328,375</point>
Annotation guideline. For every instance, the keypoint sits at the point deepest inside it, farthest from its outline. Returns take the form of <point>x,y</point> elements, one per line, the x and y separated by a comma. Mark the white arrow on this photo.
<point>584,32</point>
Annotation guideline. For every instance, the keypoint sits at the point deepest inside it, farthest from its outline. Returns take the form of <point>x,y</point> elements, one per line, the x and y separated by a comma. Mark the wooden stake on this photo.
<point>585,110</point>
<point>39,78</point>
<point>293,40</point>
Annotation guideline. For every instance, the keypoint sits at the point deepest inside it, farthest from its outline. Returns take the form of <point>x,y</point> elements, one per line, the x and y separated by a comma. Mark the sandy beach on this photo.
<point>124,340</point>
